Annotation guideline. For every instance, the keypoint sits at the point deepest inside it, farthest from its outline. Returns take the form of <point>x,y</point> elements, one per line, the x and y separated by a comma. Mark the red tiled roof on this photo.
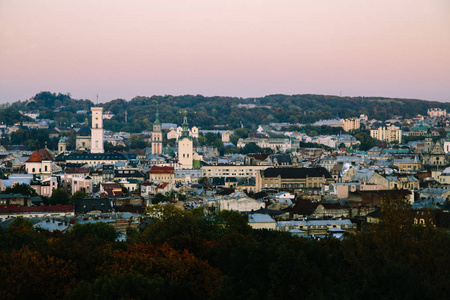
<point>35,157</point>
<point>161,170</point>
<point>146,183</point>
<point>162,185</point>
<point>39,155</point>
<point>110,185</point>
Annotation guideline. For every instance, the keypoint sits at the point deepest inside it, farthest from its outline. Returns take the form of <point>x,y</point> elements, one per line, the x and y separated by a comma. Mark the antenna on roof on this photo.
<point>97,98</point>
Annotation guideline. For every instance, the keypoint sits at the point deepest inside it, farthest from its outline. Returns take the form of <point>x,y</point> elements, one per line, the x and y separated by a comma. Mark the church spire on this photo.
<point>157,122</point>
<point>185,131</point>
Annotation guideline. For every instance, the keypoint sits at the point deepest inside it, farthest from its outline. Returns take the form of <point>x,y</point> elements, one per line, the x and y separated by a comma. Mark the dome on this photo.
<point>84,131</point>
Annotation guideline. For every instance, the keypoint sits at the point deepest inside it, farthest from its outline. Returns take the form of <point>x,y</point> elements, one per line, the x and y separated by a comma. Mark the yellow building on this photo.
<point>408,164</point>
<point>351,124</point>
<point>388,134</point>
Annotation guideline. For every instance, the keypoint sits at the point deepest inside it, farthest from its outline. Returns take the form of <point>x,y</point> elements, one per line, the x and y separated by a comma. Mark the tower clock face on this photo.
<point>96,118</point>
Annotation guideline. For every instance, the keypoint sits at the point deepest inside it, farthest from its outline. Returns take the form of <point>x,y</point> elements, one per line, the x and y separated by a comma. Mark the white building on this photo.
<point>185,147</point>
<point>226,136</point>
<point>278,145</point>
<point>97,130</point>
<point>437,112</point>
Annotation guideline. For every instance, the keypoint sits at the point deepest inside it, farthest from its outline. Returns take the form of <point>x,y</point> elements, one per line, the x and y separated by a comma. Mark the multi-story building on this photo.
<point>72,184</point>
<point>162,174</point>
<point>94,159</point>
<point>225,171</point>
<point>40,163</point>
<point>387,133</point>
<point>279,145</point>
<point>97,130</point>
<point>351,124</point>
<point>293,178</point>
<point>176,134</point>
<point>437,112</point>
<point>408,163</point>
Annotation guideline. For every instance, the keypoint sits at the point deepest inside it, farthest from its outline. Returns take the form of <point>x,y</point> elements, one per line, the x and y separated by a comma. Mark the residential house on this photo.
<point>72,184</point>
<point>261,221</point>
<point>111,189</point>
<point>162,174</point>
<point>408,164</point>
<point>293,178</point>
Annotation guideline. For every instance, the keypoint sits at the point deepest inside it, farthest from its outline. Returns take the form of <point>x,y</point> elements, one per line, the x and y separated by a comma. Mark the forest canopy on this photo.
<point>209,111</point>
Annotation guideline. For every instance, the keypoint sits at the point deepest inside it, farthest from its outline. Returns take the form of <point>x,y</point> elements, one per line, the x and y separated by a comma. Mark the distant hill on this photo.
<point>208,111</point>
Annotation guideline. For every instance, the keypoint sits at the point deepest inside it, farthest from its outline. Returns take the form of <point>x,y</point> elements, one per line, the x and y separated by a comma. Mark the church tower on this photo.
<point>97,130</point>
<point>62,145</point>
<point>185,147</point>
<point>157,135</point>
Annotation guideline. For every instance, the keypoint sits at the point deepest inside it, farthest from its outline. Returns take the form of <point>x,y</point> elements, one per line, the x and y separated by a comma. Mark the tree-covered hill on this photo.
<point>208,111</point>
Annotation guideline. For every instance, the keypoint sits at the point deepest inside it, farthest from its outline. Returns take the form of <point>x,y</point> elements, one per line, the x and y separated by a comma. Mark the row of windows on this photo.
<point>33,170</point>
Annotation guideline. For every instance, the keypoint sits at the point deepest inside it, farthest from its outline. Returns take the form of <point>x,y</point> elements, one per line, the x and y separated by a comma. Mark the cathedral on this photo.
<point>434,154</point>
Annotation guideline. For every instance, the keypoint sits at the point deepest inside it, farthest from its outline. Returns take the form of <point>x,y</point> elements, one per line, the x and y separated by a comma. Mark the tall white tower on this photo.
<point>185,147</point>
<point>157,135</point>
<point>97,130</point>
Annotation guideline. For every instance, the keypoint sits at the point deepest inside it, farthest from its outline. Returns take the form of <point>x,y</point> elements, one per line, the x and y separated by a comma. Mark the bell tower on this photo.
<point>157,135</point>
<point>97,130</point>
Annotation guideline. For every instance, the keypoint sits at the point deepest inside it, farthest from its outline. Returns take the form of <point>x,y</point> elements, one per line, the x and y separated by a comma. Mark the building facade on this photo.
<point>351,124</point>
<point>97,130</point>
<point>185,147</point>
<point>157,136</point>
<point>387,133</point>
<point>293,178</point>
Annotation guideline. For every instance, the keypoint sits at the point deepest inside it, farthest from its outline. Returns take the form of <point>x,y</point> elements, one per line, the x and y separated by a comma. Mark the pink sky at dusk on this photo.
<point>251,48</point>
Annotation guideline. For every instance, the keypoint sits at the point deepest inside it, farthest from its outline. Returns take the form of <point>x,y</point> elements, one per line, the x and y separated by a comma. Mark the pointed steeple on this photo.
<point>185,131</point>
<point>157,122</point>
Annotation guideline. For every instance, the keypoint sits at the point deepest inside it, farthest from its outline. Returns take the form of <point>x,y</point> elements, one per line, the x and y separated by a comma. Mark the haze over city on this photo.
<point>121,49</point>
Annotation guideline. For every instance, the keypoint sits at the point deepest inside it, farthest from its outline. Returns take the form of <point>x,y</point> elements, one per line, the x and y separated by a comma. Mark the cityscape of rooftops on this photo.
<point>224,149</point>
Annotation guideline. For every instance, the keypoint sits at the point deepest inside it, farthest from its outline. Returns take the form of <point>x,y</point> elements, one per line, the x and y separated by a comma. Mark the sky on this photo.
<point>251,48</point>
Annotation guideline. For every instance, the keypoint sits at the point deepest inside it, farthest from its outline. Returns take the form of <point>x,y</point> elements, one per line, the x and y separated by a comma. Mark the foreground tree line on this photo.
<point>194,255</point>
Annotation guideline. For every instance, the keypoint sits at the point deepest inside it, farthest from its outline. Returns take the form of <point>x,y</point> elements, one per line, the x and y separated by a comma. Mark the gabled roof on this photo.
<point>304,207</point>
<point>87,205</point>
<point>39,156</point>
<point>161,170</point>
<point>258,156</point>
<point>162,186</point>
<point>260,218</point>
